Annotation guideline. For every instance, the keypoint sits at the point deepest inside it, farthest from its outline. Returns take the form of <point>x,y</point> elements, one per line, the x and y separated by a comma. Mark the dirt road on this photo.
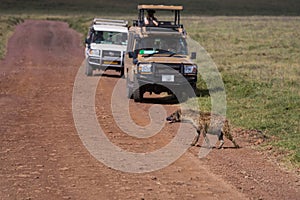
<point>42,156</point>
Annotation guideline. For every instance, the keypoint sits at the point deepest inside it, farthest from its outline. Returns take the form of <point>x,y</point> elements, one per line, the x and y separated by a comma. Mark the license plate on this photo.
<point>167,78</point>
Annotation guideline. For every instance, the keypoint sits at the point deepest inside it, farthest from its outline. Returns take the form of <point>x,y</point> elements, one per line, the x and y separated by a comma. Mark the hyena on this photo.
<point>201,121</point>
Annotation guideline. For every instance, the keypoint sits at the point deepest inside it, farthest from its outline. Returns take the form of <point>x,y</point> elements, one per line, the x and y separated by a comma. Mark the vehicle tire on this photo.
<point>197,92</point>
<point>122,72</point>
<point>137,94</point>
<point>89,70</point>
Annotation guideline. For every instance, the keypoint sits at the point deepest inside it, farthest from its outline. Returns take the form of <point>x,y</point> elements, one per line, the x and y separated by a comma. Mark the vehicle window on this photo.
<point>108,37</point>
<point>175,45</point>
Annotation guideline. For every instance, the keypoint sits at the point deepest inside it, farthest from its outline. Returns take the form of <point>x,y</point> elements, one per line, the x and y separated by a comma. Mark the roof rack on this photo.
<point>176,9</point>
<point>100,21</point>
<point>159,7</point>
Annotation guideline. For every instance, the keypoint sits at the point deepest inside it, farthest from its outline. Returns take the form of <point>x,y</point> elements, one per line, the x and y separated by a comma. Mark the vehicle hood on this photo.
<point>111,47</point>
<point>173,60</point>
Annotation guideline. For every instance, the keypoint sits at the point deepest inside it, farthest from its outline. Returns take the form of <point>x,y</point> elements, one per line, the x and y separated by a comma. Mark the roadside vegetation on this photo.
<point>7,24</point>
<point>258,57</point>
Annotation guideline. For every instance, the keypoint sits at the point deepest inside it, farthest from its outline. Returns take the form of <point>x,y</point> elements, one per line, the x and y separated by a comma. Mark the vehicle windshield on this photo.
<point>108,37</point>
<point>164,45</point>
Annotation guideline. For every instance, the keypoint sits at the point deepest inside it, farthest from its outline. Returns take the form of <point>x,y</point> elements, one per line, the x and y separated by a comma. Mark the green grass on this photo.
<point>7,24</point>
<point>259,61</point>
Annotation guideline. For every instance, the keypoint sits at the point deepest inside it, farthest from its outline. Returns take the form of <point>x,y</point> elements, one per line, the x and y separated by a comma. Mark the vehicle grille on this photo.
<point>171,69</point>
<point>94,60</point>
<point>106,53</point>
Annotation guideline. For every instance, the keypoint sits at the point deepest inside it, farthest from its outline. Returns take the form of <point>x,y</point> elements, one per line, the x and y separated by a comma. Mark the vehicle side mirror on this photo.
<point>193,55</point>
<point>87,41</point>
<point>130,54</point>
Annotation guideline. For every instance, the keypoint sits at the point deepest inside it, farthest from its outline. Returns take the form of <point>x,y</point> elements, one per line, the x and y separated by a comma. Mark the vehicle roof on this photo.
<point>111,22</point>
<point>110,28</point>
<point>160,7</point>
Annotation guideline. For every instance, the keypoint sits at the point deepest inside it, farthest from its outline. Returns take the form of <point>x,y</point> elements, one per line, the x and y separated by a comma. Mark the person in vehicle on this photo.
<point>98,37</point>
<point>150,20</point>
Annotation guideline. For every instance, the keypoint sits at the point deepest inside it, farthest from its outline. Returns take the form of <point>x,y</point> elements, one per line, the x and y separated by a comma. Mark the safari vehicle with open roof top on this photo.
<point>106,45</point>
<point>157,57</point>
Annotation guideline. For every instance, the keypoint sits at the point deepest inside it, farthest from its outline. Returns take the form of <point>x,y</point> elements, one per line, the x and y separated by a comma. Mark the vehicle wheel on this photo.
<point>122,72</point>
<point>197,92</point>
<point>129,89</point>
<point>89,70</point>
<point>137,94</point>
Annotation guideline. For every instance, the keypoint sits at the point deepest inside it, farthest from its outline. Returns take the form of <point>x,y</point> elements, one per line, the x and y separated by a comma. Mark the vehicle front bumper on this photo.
<point>108,62</point>
<point>155,84</point>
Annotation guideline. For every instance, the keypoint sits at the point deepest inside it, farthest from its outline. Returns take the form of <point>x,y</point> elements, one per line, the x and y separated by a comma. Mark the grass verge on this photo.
<point>7,24</point>
<point>259,62</point>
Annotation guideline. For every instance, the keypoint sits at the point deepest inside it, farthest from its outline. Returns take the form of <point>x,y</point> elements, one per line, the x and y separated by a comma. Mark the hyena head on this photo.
<point>175,117</point>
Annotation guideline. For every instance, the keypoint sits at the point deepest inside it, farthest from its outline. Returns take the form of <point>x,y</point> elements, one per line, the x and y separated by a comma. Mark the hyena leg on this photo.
<point>196,139</point>
<point>221,140</point>
<point>229,136</point>
<point>206,138</point>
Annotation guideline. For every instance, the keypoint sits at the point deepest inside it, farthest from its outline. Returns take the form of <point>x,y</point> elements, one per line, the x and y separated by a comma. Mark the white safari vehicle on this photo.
<point>106,45</point>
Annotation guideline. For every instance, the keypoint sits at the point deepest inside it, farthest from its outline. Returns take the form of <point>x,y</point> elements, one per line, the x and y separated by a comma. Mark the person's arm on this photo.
<point>155,22</point>
<point>146,21</point>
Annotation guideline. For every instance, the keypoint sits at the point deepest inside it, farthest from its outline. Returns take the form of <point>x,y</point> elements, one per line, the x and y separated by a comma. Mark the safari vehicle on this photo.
<point>157,57</point>
<point>106,45</point>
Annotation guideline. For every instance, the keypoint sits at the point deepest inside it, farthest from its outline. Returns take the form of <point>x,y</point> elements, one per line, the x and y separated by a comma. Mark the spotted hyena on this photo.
<point>202,122</point>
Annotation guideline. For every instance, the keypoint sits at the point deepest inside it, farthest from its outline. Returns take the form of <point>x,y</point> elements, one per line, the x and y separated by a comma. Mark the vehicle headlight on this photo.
<point>190,69</point>
<point>94,52</point>
<point>145,67</point>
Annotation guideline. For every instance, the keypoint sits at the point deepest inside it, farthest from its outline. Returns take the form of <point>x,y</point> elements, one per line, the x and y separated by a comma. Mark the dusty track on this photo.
<point>42,157</point>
